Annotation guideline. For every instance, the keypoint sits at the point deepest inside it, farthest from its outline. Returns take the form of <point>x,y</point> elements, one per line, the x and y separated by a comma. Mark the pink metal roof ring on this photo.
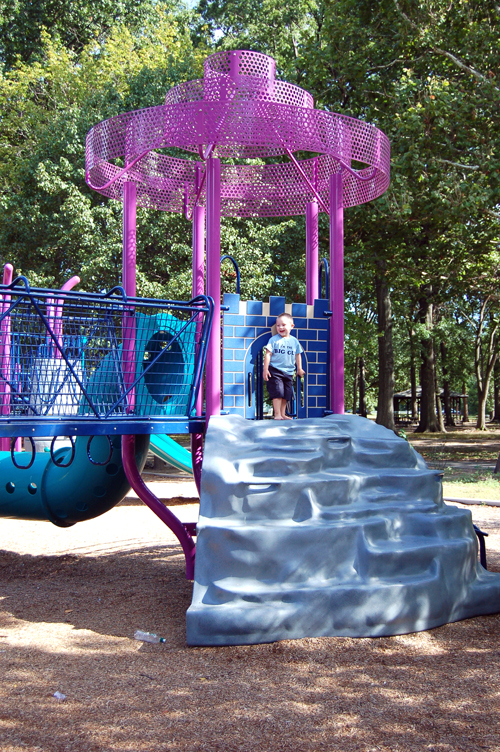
<point>239,112</point>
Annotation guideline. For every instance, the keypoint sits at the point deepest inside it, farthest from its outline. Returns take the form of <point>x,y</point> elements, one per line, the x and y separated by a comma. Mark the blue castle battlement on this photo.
<point>247,327</point>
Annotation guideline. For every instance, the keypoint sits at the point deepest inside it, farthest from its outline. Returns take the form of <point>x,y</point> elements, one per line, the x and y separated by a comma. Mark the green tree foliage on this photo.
<point>73,24</point>
<point>273,28</point>
<point>427,74</point>
<point>51,224</point>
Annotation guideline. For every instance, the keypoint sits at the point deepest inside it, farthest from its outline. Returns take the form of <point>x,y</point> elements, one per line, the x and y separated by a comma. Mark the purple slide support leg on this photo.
<point>128,442</point>
<point>171,521</point>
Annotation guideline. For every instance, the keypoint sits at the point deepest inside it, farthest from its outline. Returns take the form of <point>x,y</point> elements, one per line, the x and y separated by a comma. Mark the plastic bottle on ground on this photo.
<point>147,637</point>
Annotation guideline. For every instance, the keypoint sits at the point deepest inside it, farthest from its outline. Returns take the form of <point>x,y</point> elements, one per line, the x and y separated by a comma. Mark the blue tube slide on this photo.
<point>66,495</point>
<point>175,371</point>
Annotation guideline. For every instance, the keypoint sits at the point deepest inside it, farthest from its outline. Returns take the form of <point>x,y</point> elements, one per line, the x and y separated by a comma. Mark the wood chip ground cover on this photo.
<point>72,599</point>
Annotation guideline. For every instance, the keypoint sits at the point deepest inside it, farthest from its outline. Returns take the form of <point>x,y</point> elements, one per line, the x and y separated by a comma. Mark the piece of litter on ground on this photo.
<point>59,696</point>
<point>148,637</point>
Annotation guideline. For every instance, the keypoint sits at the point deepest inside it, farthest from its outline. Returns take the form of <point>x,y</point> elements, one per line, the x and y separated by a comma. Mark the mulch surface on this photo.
<point>72,599</point>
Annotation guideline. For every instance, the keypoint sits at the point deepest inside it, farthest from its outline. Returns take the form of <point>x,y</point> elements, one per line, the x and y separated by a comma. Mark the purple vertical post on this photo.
<point>129,237</point>
<point>198,289</point>
<point>336,295</point>
<point>213,370</point>
<point>198,243</point>
<point>5,354</point>
<point>129,350</point>
<point>312,252</point>
<point>57,324</point>
<point>129,285</point>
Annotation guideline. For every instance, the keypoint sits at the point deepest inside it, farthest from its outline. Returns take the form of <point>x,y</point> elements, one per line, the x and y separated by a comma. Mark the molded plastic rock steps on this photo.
<point>329,526</point>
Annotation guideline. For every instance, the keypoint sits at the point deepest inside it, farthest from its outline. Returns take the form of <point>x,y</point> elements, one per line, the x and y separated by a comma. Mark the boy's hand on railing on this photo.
<point>300,372</point>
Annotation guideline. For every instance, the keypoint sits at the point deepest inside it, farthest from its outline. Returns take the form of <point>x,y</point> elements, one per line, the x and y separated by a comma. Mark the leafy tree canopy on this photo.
<point>73,23</point>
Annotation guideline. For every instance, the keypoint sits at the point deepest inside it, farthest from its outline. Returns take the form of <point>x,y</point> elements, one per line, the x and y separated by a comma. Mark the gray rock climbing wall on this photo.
<point>327,526</point>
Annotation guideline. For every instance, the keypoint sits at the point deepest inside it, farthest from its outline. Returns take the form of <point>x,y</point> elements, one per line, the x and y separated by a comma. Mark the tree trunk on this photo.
<point>428,417</point>
<point>355,387</point>
<point>385,404</point>
<point>446,386</point>
<point>413,387</point>
<point>496,386</point>
<point>484,363</point>
<point>482,398</point>
<point>439,404</point>
<point>466,403</point>
<point>362,388</point>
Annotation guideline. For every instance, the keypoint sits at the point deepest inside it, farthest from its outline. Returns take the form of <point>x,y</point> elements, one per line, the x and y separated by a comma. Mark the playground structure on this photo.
<point>91,367</point>
<point>121,367</point>
<point>240,111</point>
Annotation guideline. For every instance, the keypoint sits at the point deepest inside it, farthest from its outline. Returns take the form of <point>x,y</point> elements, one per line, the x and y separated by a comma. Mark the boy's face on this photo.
<point>284,327</point>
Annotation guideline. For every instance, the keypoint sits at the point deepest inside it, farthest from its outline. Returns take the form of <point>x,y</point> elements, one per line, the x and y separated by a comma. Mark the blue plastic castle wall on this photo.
<point>247,328</point>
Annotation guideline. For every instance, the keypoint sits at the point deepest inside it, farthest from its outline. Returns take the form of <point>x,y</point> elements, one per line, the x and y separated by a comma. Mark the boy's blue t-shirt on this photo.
<point>283,351</point>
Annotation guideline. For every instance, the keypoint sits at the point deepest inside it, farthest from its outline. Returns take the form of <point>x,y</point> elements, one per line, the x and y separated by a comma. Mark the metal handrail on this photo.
<point>323,266</point>
<point>236,269</point>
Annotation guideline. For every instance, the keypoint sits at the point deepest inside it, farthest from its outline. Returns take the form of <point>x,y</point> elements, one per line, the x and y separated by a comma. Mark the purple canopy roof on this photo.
<point>239,112</point>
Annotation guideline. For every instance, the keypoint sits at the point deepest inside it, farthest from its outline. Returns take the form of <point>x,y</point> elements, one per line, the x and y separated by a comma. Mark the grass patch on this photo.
<point>457,455</point>
<point>473,488</point>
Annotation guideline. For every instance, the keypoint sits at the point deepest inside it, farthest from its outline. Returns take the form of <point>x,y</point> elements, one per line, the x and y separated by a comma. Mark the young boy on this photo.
<point>283,354</point>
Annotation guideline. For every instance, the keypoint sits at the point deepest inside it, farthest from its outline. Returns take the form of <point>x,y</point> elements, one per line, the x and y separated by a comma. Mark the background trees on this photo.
<point>426,73</point>
<point>420,261</point>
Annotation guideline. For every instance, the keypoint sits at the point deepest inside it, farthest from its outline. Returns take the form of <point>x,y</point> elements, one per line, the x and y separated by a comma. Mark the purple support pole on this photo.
<point>56,324</point>
<point>198,251</point>
<point>213,370</point>
<point>312,253</point>
<point>336,295</point>
<point>5,354</point>
<point>198,289</point>
<point>129,285</point>
<point>165,515</point>
<point>129,237</point>
<point>128,442</point>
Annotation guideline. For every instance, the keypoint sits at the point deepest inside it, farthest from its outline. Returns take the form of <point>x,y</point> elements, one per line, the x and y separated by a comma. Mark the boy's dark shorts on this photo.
<point>280,385</point>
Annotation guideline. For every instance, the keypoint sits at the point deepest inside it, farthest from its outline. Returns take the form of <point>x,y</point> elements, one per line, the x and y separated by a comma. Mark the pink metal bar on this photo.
<point>129,285</point>
<point>129,238</point>
<point>55,315</point>
<point>213,369</point>
<point>200,184</point>
<point>312,253</point>
<point>165,515</point>
<point>307,181</point>
<point>198,289</point>
<point>199,251</point>
<point>336,295</point>
<point>8,272</point>
<point>5,354</point>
